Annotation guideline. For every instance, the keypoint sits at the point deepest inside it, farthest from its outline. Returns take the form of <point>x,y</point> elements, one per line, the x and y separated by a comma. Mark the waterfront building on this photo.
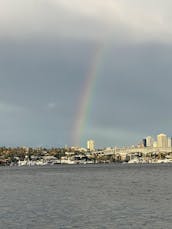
<point>149,141</point>
<point>169,142</point>
<point>162,141</point>
<point>90,145</point>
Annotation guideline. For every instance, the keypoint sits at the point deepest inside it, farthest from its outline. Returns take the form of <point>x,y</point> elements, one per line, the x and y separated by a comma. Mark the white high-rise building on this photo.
<point>169,142</point>
<point>149,141</point>
<point>162,140</point>
<point>91,145</point>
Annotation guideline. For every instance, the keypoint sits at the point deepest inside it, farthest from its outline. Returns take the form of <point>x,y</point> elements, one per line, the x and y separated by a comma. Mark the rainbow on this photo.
<point>87,93</point>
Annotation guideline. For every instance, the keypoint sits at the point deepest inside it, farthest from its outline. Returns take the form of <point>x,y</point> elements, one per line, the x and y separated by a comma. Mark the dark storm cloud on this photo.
<point>43,71</point>
<point>133,93</point>
<point>44,80</point>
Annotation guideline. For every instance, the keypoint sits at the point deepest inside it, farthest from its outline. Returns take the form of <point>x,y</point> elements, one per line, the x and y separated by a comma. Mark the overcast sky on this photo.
<point>45,52</point>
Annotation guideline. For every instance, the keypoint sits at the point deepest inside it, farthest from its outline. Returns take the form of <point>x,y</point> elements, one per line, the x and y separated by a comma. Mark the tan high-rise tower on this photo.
<point>162,141</point>
<point>91,145</point>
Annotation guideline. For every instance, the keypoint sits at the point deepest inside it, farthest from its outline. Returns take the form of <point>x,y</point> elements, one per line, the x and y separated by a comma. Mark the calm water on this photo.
<point>92,196</point>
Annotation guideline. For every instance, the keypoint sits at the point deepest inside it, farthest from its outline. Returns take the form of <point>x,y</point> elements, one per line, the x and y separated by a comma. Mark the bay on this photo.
<point>96,196</point>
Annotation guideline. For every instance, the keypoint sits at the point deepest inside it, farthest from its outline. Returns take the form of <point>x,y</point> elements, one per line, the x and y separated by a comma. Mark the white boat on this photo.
<point>68,161</point>
<point>134,161</point>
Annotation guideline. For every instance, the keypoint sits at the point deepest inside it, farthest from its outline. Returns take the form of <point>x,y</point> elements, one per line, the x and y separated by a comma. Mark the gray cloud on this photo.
<point>46,51</point>
<point>134,93</point>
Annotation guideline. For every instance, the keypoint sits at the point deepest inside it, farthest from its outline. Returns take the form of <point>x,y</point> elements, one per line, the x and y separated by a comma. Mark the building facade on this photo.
<point>149,141</point>
<point>162,141</point>
<point>90,145</point>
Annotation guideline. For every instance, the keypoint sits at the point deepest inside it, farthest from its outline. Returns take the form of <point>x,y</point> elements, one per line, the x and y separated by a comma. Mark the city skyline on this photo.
<point>74,70</point>
<point>159,141</point>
